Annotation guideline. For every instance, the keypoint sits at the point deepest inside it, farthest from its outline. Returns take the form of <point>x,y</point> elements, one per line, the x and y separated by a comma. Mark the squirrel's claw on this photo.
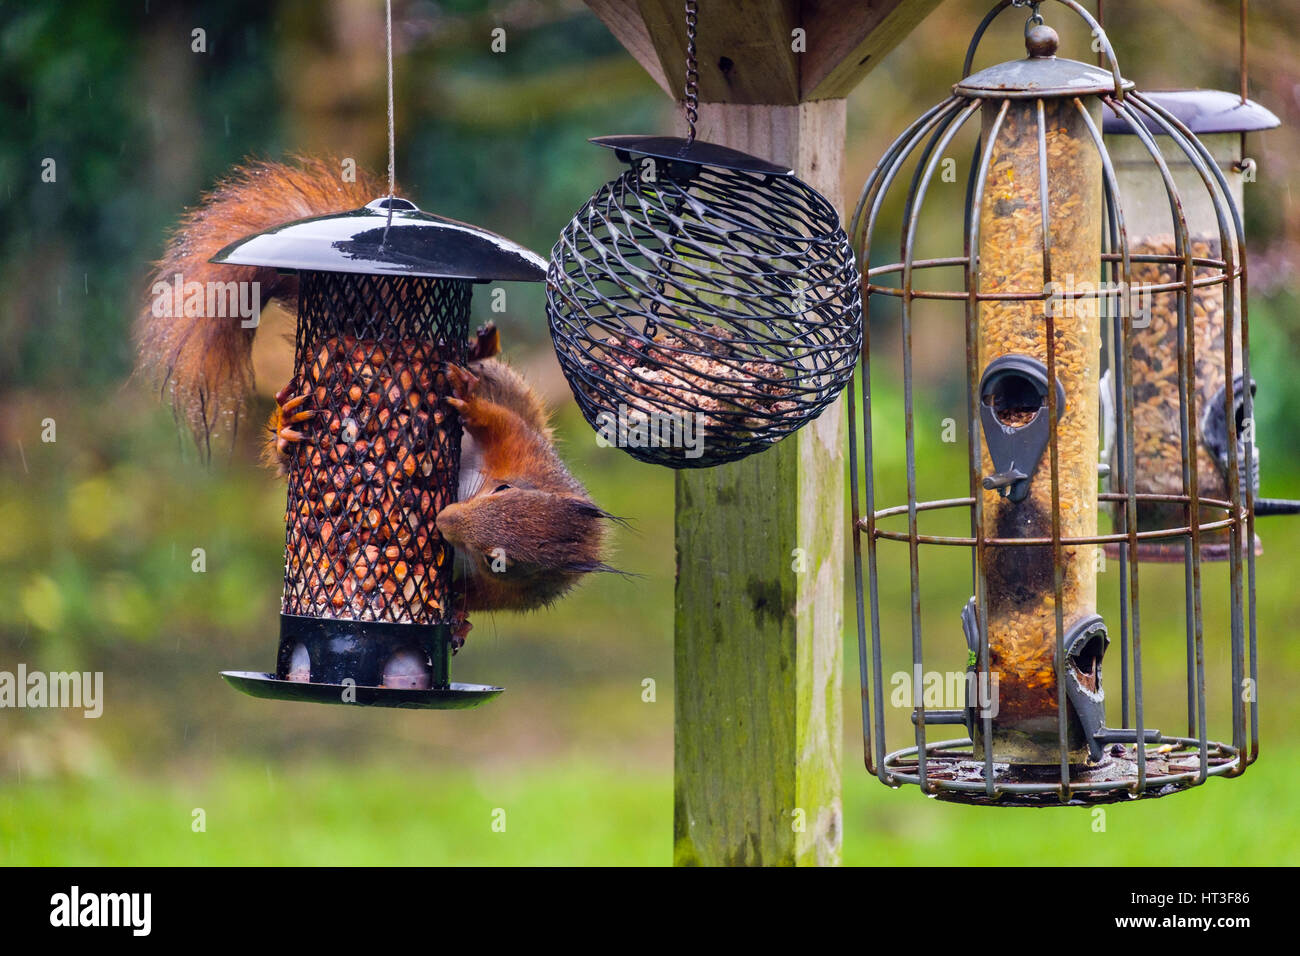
<point>284,437</point>
<point>460,625</point>
<point>462,399</point>
<point>288,412</point>
<point>289,404</point>
<point>462,381</point>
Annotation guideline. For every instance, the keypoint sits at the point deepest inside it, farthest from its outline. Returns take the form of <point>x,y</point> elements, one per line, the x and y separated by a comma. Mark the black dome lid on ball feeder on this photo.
<point>704,304</point>
<point>384,296</point>
<point>689,152</point>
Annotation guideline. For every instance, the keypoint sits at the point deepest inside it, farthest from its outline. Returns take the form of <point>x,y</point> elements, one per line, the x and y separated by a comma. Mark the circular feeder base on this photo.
<point>953,773</point>
<point>455,696</point>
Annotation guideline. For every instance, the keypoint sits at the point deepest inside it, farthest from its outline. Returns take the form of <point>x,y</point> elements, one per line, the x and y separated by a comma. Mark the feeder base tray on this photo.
<point>455,696</point>
<point>953,773</point>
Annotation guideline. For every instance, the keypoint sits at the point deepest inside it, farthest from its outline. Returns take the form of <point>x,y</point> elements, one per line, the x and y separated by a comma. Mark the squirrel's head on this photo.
<point>515,538</point>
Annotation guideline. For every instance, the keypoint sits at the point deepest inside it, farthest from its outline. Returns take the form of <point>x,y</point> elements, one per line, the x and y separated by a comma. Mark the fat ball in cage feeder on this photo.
<point>704,293</point>
<point>1045,223</point>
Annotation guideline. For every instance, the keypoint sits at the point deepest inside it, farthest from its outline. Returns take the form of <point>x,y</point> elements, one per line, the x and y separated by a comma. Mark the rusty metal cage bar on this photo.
<point>877,187</point>
<point>935,130</point>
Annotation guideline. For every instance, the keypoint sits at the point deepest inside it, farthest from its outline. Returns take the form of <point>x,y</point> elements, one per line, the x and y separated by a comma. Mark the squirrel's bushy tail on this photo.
<point>203,362</point>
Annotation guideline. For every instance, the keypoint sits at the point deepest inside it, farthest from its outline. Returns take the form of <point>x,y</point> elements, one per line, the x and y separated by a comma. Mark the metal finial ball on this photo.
<point>1042,41</point>
<point>700,317</point>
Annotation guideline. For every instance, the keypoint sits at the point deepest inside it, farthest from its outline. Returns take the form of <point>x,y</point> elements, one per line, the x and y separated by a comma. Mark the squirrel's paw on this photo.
<point>288,414</point>
<point>463,383</point>
<point>486,344</point>
<point>460,627</point>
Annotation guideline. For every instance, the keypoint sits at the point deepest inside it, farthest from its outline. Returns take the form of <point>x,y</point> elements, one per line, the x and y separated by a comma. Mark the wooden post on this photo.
<point>760,542</point>
<point>760,584</point>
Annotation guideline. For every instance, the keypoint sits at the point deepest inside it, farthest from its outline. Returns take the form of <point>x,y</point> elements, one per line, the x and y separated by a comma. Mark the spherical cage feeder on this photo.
<point>369,601</point>
<point>704,304</point>
<point>1049,278</point>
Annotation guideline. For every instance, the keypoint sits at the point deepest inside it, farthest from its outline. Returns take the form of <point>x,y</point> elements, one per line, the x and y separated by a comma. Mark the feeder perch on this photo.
<point>1221,121</point>
<point>1045,278</point>
<point>383,308</point>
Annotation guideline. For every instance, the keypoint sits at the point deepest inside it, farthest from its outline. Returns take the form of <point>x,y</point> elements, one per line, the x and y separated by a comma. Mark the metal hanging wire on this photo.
<point>392,123</point>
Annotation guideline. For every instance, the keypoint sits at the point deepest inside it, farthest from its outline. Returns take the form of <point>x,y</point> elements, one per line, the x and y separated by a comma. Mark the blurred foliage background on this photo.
<point>97,528</point>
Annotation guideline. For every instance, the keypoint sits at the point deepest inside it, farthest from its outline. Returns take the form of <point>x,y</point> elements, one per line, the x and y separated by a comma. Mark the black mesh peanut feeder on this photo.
<point>1043,294</point>
<point>705,303</point>
<point>369,601</point>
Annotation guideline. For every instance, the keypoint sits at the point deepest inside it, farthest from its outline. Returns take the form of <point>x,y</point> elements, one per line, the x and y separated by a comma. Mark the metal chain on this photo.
<point>692,70</point>
<point>1035,18</point>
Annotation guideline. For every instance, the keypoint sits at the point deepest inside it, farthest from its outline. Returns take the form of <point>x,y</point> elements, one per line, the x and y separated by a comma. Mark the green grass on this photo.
<point>98,556</point>
<point>576,812</point>
<point>329,814</point>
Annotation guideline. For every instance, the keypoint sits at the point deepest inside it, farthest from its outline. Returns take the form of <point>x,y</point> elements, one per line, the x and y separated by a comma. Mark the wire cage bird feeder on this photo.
<point>1221,121</point>
<point>705,303</point>
<point>369,604</point>
<point>1047,278</point>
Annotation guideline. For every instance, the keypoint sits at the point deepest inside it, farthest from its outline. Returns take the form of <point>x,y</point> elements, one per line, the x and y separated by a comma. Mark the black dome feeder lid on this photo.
<point>694,152</point>
<point>364,241</point>
<point>1201,111</point>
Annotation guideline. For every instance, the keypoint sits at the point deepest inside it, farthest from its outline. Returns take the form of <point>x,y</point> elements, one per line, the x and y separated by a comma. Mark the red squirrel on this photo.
<point>524,529</point>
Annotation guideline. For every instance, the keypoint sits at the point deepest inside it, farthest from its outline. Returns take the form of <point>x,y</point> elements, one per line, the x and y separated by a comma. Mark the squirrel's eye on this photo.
<point>500,488</point>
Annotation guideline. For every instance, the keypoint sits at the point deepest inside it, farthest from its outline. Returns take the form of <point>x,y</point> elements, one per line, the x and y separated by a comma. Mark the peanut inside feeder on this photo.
<point>382,453</point>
